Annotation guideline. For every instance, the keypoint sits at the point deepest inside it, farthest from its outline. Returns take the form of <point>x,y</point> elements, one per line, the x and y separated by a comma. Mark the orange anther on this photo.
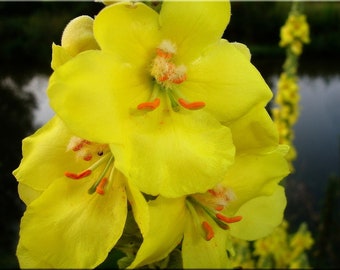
<point>209,232</point>
<point>87,157</point>
<point>101,185</point>
<point>191,105</point>
<point>163,78</point>
<point>179,79</point>
<point>219,207</point>
<point>228,219</point>
<point>80,145</point>
<point>149,105</point>
<point>164,54</point>
<point>78,175</point>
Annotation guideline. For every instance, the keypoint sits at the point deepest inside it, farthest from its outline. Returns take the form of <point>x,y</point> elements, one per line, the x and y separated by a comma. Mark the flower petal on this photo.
<point>130,31</point>
<point>195,30</point>
<point>197,252</point>
<point>167,221</point>
<point>226,81</point>
<point>139,206</point>
<point>59,56</point>
<point>182,153</point>
<point>261,216</point>
<point>92,94</point>
<point>255,175</point>
<point>69,228</point>
<point>27,194</point>
<point>45,147</point>
<point>255,132</point>
<point>26,257</point>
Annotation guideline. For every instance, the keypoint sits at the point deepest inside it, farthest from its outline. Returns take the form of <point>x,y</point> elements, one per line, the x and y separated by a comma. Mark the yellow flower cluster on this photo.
<point>279,250</point>
<point>286,115</point>
<point>161,125</point>
<point>294,34</point>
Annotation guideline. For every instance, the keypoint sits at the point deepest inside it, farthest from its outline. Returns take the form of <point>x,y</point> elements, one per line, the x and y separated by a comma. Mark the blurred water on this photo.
<point>317,138</point>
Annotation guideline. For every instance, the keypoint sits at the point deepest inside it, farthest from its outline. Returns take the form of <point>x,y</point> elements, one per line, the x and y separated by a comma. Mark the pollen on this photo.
<point>168,47</point>
<point>164,70</point>
<point>85,149</point>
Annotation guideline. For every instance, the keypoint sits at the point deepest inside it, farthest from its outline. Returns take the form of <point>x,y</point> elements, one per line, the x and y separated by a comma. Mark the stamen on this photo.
<point>149,105</point>
<point>89,170</point>
<point>87,157</point>
<point>77,176</point>
<point>101,185</point>
<point>191,105</point>
<point>219,207</point>
<point>77,143</point>
<point>209,232</point>
<point>164,54</point>
<point>93,188</point>
<point>228,219</point>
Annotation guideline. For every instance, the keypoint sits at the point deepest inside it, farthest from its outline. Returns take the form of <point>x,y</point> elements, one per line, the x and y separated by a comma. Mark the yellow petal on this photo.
<point>197,252</point>
<point>243,49</point>
<point>27,260</point>
<point>193,25</point>
<point>261,216</point>
<point>59,56</point>
<point>184,153</point>
<point>27,194</point>
<point>226,81</point>
<point>129,31</point>
<point>255,132</point>
<point>167,221</point>
<point>44,156</point>
<point>262,174</point>
<point>68,228</point>
<point>139,206</point>
<point>93,95</point>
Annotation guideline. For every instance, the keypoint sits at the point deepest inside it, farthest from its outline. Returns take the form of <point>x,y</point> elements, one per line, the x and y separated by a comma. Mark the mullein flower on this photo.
<point>157,90</point>
<point>294,33</point>
<point>76,200</point>
<point>156,104</point>
<point>248,204</point>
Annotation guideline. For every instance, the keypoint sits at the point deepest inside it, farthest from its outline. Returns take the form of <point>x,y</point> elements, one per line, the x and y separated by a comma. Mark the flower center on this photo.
<point>100,157</point>
<point>164,70</point>
<point>211,204</point>
<point>168,76</point>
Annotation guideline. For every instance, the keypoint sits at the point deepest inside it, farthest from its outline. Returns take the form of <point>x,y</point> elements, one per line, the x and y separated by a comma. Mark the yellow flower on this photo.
<point>71,220</point>
<point>248,204</point>
<point>77,37</point>
<point>204,228</point>
<point>295,32</point>
<point>157,90</point>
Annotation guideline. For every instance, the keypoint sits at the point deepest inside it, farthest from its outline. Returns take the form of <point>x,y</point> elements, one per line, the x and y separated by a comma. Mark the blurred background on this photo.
<point>28,29</point>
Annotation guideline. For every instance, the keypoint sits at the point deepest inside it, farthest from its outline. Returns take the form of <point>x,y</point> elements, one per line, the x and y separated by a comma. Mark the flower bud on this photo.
<point>78,35</point>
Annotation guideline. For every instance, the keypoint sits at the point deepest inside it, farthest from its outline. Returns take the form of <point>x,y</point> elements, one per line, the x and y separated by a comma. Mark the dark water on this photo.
<point>313,190</point>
